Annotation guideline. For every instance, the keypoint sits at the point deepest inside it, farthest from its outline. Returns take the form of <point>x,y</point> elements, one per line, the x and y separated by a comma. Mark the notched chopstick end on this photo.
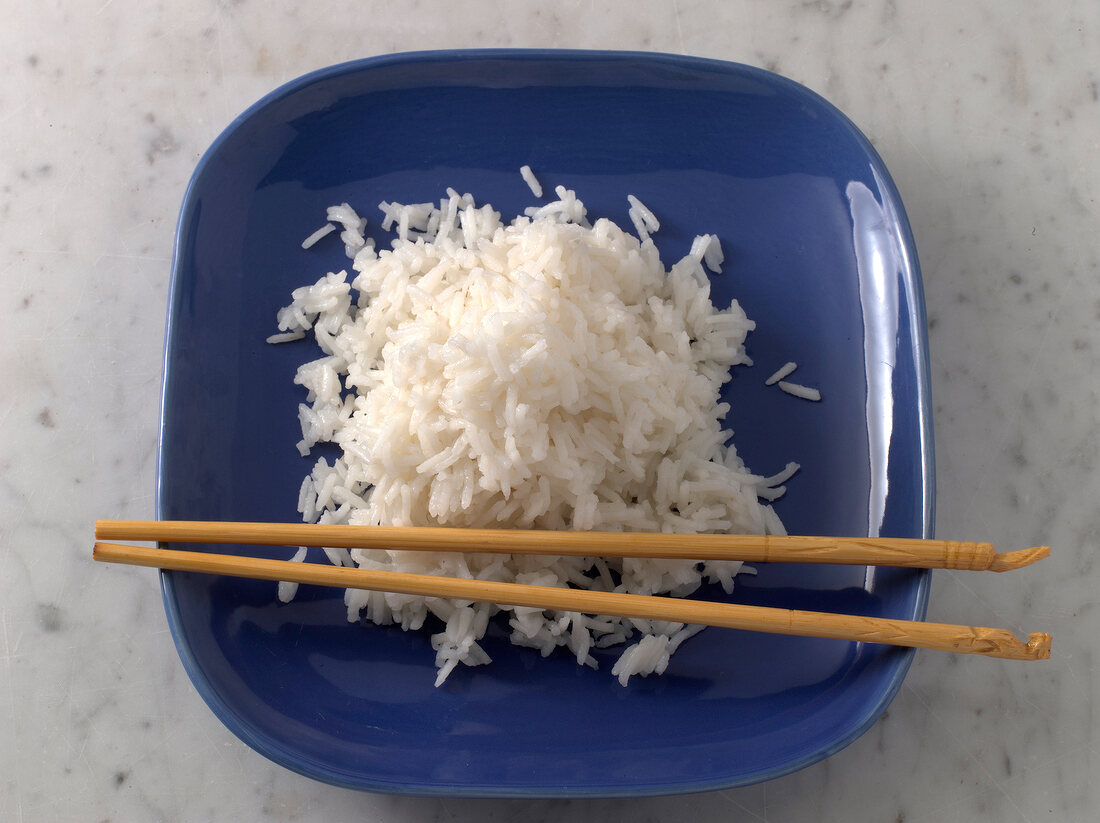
<point>1038,645</point>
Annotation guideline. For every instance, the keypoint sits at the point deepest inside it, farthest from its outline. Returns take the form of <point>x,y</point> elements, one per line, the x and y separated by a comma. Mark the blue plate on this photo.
<point>819,253</point>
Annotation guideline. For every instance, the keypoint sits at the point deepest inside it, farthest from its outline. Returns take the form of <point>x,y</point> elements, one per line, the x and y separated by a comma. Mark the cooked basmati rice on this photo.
<point>780,373</point>
<point>532,181</point>
<point>713,256</point>
<point>287,588</point>
<point>548,373</point>
<point>645,221</point>
<point>309,242</point>
<point>805,392</point>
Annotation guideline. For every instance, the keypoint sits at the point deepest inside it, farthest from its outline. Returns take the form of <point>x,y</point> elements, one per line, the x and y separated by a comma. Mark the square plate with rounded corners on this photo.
<point>819,253</point>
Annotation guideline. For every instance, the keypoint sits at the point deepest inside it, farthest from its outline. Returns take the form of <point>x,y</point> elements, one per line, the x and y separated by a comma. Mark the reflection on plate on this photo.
<point>818,252</point>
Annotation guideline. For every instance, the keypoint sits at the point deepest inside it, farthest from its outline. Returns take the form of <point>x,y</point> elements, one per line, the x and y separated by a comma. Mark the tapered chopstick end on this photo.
<point>1018,559</point>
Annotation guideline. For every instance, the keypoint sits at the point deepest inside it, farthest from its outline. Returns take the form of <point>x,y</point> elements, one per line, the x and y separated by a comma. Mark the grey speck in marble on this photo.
<point>162,143</point>
<point>49,617</point>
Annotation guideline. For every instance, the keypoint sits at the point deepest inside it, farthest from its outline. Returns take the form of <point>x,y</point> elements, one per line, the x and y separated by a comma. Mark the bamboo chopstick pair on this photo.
<point>910,553</point>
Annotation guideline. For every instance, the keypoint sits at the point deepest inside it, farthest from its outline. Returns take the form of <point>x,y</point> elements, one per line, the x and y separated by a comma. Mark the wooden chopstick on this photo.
<point>999,643</point>
<point>905,552</point>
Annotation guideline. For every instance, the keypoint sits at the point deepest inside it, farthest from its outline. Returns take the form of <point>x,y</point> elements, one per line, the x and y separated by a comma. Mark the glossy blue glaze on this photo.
<point>819,253</point>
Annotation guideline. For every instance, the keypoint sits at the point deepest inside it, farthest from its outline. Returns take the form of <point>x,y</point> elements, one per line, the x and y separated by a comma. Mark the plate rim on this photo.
<point>916,315</point>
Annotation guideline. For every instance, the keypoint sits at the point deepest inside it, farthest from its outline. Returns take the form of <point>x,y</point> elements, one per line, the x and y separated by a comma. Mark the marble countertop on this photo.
<point>987,115</point>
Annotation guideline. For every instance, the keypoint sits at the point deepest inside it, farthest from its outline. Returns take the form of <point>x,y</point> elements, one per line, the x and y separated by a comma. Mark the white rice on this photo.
<point>805,392</point>
<point>645,221</point>
<point>353,227</point>
<point>532,181</point>
<point>780,373</point>
<point>328,228</point>
<point>548,373</point>
<point>287,588</point>
<point>286,337</point>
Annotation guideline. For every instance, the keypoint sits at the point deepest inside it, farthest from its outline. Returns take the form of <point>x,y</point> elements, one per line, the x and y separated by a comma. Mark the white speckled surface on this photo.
<point>988,117</point>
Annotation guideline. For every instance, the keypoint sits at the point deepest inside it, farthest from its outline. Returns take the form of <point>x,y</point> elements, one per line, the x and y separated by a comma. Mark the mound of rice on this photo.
<point>548,374</point>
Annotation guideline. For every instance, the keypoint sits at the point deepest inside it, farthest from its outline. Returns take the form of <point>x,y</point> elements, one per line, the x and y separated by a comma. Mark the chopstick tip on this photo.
<point>1038,644</point>
<point>1018,559</point>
